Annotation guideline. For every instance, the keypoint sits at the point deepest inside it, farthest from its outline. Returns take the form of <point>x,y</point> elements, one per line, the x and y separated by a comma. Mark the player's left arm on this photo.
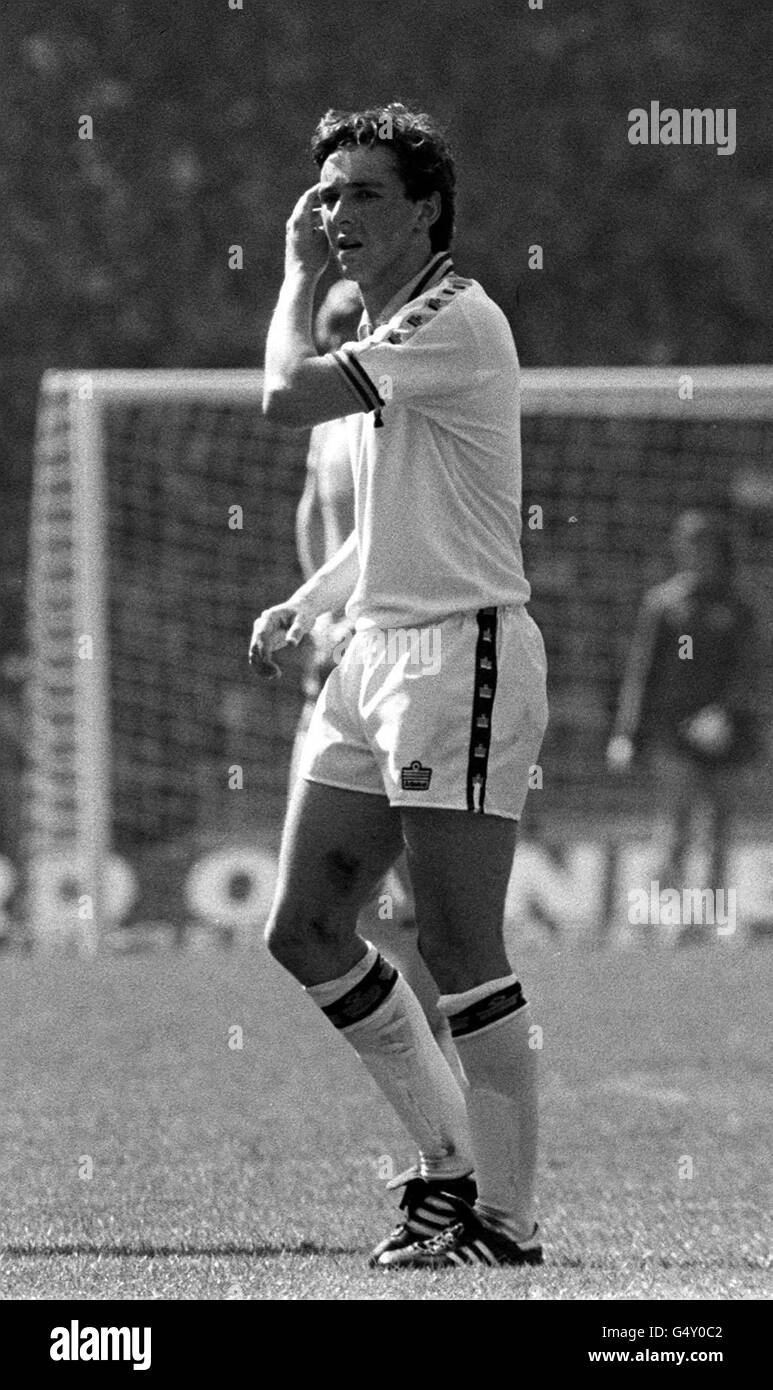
<point>300,387</point>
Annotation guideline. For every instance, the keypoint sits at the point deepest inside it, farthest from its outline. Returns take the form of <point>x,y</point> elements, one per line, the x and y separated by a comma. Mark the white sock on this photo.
<point>490,1027</point>
<point>442,1035</point>
<point>380,1016</point>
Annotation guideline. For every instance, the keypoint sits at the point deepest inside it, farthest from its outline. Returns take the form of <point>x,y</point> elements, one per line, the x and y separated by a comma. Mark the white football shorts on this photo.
<point>449,715</point>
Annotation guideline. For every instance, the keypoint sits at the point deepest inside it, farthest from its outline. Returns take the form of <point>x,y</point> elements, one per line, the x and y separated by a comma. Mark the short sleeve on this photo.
<point>428,352</point>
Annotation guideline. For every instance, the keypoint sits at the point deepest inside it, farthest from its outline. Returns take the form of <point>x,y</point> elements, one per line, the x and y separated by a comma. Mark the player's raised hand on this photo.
<point>281,626</point>
<point>306,246</point>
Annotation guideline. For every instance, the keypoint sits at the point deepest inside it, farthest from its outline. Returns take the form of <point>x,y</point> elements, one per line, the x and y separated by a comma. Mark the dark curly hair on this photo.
<point>422,155</point>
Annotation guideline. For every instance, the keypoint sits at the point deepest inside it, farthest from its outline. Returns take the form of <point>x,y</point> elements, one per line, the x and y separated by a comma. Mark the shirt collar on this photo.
<point>436,268</point>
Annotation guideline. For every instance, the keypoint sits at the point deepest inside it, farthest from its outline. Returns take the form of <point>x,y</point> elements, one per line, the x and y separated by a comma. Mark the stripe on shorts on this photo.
<point>489,1010</point>
<point>365,998</point>
<point>483,694</point>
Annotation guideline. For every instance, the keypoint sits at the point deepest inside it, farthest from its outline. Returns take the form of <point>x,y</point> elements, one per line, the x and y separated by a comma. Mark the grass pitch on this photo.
<point>146,1154</point>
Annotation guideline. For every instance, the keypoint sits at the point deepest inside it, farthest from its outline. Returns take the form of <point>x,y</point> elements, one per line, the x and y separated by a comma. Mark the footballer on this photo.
<point>692,722</point>
<point>400,754</point>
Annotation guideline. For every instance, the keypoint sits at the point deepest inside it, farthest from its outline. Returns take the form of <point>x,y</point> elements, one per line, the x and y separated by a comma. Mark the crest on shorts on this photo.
<point>415,778</point>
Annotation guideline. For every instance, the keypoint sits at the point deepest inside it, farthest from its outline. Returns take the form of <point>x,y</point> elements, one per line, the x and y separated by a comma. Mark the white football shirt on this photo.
<point>437,462</point>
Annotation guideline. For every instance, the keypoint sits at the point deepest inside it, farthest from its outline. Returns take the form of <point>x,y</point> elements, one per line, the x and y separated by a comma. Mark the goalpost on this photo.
<point>163,521</point>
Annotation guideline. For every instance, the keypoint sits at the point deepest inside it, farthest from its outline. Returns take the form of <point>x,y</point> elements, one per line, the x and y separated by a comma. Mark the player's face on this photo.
<point>371,224</point>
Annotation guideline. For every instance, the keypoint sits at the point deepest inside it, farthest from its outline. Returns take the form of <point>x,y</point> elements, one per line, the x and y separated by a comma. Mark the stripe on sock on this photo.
<point>432,1216</point>
<point>365,997</point>
<point>488,1010</point>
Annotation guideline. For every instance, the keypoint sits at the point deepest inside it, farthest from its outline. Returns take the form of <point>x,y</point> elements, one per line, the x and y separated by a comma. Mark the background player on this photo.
<point>691,719</point>
<point>324,520</point>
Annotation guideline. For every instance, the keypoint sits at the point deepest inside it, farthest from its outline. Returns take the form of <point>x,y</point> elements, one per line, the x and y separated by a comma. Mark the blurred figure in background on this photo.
<point>688,706</point>
<point>324,519</point>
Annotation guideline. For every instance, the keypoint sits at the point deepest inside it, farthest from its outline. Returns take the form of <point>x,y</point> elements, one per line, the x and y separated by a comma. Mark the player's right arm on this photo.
<point>286,623</point>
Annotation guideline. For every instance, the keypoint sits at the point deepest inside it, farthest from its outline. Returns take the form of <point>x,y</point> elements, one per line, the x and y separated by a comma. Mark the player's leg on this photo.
<point>725,792</point>
<point>390,921</point>
<point>676,791</point>
<point>479,750</point>
<point>712,789</point>
<point>337,845</point>
<point>719,795</point>
<point>460,867</point>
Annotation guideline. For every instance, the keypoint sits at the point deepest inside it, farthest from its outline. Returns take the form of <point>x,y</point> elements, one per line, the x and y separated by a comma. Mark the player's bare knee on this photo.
<point>284,932</point>
<point>295,932</point>
<point>291,949</point>
<point>342,871</point>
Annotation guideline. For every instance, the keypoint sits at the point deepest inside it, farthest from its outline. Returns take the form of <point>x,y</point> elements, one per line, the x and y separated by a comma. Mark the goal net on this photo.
<point>163,521</point>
